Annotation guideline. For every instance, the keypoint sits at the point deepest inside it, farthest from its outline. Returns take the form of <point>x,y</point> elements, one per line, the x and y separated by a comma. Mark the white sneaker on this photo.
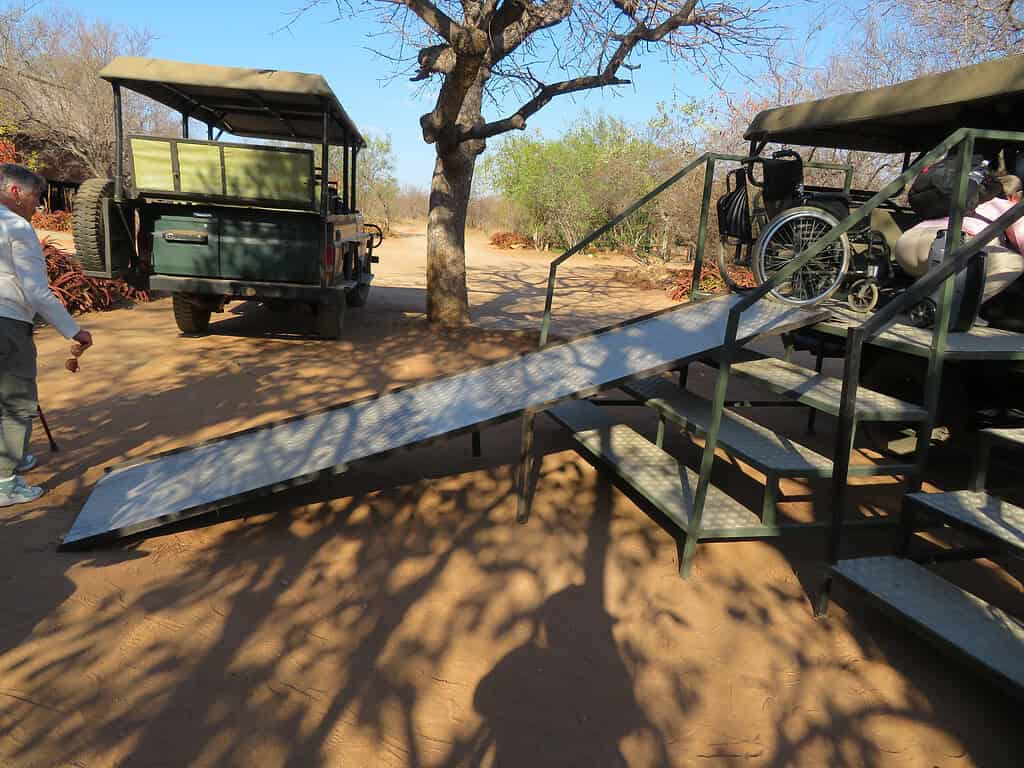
<point>17,491</point>
<point>28,462</point>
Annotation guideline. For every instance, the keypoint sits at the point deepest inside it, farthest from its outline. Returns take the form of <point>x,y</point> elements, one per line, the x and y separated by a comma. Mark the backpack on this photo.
<point>734,209</point>
<point>931,194</point>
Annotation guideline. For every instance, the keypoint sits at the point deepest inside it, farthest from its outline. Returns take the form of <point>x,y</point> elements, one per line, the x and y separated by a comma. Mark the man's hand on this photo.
<point>84,339</point>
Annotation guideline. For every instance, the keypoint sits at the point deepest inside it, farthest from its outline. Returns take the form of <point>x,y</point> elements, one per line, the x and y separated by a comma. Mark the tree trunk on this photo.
<point>447,298</point>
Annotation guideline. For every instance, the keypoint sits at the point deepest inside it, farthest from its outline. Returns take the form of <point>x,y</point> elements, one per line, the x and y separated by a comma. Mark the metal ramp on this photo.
<point>212,475</point>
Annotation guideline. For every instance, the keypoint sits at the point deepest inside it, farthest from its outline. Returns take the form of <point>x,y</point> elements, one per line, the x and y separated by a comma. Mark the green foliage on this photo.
<point>566,187</point>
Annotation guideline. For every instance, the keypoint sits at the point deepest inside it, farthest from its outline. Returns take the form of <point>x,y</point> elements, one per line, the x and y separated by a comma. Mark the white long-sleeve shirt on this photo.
<point>24,287</point>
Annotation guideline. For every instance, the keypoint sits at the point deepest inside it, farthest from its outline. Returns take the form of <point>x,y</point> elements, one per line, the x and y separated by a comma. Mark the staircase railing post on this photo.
<point>702,228</point>
<point>707,459</point>
<point>943,313</point>
<point>845,434</point>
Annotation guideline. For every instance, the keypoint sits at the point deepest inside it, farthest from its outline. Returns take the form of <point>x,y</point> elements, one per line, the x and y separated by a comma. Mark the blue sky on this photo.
<point>238,33</point>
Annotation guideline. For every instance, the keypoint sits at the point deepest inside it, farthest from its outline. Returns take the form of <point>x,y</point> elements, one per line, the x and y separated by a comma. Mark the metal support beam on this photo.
<point>344,173</point>
<point>325,159</point>
<point>184,125</point>
<point>118,145</point>
<point>352,197</point>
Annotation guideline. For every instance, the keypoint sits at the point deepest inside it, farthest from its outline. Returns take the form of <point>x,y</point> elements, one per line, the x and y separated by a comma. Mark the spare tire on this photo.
<point>87,223</point>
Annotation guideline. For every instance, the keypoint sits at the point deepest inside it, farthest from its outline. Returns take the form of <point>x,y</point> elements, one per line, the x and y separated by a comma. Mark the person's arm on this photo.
<point>30,266</point>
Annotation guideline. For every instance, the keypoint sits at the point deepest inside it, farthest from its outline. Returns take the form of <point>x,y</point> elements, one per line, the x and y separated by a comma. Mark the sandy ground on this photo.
<point>397,616</point>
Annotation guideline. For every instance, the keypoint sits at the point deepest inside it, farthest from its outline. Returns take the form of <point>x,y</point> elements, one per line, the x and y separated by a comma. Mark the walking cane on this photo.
<point>46,428</point>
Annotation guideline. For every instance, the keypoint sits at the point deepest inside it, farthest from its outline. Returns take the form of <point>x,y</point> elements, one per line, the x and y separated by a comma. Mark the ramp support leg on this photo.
<point>526,480</point>
<point>979,473</point>
<point>770,500</point>
<point>660,439</point>
<point>687,548</point>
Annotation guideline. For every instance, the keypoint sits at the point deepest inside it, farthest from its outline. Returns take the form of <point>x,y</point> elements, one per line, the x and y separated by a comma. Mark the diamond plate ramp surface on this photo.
<point>204,477</point>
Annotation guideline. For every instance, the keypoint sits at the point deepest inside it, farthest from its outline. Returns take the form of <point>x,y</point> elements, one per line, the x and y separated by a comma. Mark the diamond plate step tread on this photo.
<point>979,511</point>
<point>1014,435</point>
<point>984,633</point>
<point>649,470</point>
<point>759,446</point>
<point>196,479</point>
<point>823,392</point>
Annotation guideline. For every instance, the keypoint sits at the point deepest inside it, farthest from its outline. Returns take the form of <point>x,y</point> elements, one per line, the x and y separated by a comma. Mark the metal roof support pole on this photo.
<point>184,125</point>
<point>209,131</point>
<point>352,197</point>
<point>325,157</point>
<point>118,145</point>
<point>344,170</point>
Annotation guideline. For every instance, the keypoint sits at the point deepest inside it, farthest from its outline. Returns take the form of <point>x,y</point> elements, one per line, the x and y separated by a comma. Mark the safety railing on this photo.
<point>709,160</point>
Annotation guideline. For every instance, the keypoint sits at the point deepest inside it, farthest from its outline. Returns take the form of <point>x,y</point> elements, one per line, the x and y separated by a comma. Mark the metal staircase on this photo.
<point>699,511</point>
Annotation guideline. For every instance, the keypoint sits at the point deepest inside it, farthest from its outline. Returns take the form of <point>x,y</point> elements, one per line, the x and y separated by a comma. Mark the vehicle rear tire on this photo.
<point>190,317</point>
<point>787,235</point>
<point>87,223</point>
<point>330,320</point>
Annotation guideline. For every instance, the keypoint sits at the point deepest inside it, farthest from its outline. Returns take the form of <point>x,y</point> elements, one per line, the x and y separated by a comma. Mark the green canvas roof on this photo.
<point>259,103</point>
<point>907,117</point>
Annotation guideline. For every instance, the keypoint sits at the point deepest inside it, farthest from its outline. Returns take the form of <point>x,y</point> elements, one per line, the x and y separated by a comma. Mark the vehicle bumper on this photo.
<point>251,290</point>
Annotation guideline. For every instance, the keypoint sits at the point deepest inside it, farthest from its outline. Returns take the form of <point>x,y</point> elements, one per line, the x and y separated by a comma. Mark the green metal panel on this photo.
<point>185,245</point>
<point>151,162</point>
<point>267,174</point>
<point>270,245</point>
<point>200,168</point>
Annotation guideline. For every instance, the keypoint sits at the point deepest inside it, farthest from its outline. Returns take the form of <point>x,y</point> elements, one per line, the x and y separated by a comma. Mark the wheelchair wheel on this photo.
<point>784,238</point>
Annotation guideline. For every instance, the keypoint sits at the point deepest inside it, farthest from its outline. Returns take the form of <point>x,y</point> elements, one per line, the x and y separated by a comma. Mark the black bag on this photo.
<point>931,194</point>
<point>734,209</point>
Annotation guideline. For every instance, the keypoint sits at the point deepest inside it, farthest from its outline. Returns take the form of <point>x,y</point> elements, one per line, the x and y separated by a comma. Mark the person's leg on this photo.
<point>18,404</point>
<point>1002,268</point>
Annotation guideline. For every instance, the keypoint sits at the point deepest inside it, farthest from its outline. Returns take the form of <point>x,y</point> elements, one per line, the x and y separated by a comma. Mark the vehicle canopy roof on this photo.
<point>911,116</point>
<point>257,103</point>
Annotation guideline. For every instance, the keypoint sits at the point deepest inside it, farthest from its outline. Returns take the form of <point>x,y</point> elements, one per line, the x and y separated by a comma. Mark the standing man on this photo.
<point>24,293</point>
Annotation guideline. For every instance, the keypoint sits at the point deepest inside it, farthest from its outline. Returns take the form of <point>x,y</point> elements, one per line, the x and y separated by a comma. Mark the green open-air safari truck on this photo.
<point>214,221</point>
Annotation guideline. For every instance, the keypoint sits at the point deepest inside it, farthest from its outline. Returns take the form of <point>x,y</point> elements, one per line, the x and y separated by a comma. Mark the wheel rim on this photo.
<point>788,236</point>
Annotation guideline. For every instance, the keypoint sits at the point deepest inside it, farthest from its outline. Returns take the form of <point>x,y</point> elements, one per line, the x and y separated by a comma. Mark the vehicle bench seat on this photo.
<point>273,176</point>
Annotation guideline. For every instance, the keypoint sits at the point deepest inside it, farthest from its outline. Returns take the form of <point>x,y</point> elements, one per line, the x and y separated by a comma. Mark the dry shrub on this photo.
<point>55,221</point>
<point>711,281</point>
<point>80,293</point>
<point>650,277</point>
<point>507,240</point>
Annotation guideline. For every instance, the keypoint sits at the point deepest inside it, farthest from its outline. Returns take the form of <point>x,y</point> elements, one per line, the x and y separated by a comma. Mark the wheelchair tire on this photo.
<point>783,238</point>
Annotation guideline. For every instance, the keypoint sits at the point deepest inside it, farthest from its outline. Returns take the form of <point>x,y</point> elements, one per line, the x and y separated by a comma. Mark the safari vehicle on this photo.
<point>215,221</point>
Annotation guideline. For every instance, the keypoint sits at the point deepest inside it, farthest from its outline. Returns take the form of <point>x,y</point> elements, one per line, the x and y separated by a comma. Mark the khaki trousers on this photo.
<point>18,396</point>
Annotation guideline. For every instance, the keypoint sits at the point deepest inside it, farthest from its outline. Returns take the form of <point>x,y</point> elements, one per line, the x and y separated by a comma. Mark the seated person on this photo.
<point>1004,263</point>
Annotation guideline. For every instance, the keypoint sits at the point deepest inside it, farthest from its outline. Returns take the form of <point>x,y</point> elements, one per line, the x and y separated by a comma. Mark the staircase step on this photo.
<point>823,393</point>
<point>758,446</point>
<point>955,620</point>
<point>1011,435</point>
<point>977,511</point>
<point>653,474</point>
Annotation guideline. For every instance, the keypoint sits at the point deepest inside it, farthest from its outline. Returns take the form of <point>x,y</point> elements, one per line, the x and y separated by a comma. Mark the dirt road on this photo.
<point>397,616</point>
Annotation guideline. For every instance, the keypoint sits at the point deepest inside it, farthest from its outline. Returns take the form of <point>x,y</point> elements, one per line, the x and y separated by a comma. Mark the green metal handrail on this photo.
<point>709,160</point>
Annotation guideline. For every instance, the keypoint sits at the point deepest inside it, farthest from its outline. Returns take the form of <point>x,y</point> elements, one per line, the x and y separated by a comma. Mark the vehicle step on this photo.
<point>759,446</point>
<point>653,474</point>
<point>945,614</point>
<point>976,511</point>
<point>823,393</point>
